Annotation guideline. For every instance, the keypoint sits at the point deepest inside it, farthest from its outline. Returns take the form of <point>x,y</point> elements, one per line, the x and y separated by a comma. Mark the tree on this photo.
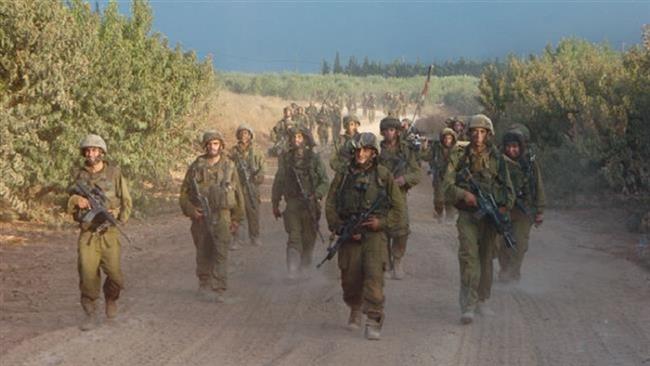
<point>338,69</point>
<point>325,68</point>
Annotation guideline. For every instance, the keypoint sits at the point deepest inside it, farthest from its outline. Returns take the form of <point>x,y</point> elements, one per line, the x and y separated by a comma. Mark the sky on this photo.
<point>262,36</point>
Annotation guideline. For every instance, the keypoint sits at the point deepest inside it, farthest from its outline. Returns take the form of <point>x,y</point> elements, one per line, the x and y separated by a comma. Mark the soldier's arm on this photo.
<point>397,208</point>
<point>333,219</point>
<point>261,167</point>
<point>126,204</point>
<point>184,200</point>
<point>413,173</point>
<point>323,181</point>
<point>452,192</point>
<point>278,184</point>
<point>507,189</point>
<point>237,212</point>
<point>540,199</point>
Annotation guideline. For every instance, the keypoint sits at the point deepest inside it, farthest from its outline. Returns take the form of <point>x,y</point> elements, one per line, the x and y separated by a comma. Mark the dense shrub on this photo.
<point>66,71</point>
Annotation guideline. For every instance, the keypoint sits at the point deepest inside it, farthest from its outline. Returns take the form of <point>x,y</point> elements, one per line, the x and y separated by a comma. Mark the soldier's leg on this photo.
<point>349,262</point>
<point>308,241</point>
<point>468,260</point>
<point>253,219</point>
<point>438,198</point>
<point>204,254</point>
<point>521,231</point>
<point>487,245</point>
<point>89,256</point>
<point>293,226</point>
<point>111,265</point>
<point>374,259</point>
<point>219,269</point>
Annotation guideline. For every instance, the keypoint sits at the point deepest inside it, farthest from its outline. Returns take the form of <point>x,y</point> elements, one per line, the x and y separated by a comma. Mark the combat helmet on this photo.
<point>211,135</point>
<point>481,121</point>
<point>246,127</point>
<point>366,139</point>
<point>390,122</point>
<point>520,128</point>
<point>305,132</point>
<point>92,140</point>
<point>350,118</point>
<point>448,131</point>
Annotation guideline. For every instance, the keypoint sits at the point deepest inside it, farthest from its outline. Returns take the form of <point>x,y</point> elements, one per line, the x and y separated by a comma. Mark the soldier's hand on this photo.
<point>197,214</point>
<point>276,213</point>
<point>400,181</point>
<point>83,203</point>
<point>469,198</point>
<point>356,237</point>
<point>371,224</point>
<point>539,218</point>
<point>234,225</point>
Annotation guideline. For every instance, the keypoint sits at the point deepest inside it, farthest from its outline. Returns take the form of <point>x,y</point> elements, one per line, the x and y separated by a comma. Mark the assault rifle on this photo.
<point>98,215</point>
<point>350,227</point>
<point>487,206</point>
<point>205,209</point>
<point>244,172</point>
<point>312,207</point>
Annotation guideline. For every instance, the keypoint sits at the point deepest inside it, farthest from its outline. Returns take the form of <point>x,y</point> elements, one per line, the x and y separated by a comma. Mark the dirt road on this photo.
<point>579,303</point>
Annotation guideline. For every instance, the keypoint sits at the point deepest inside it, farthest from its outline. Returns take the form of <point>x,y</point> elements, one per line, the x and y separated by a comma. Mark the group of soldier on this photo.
<point>365,207</point>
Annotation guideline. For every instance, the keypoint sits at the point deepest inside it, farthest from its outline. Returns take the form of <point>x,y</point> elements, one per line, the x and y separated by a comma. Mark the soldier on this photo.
<point>279,133</point>
<point>372,104</point>
<point>212,198</point>
<point>477,236</point>
<point>458,125</point>
<point>300,118</point>
<point>398,158</point>
<point>335,118</point>
<point>443,152</point>
<point>351,104</point>
<point>345,148</point>
<point>526,177</point>
<point>323,128</point>
<point>402,104</point>
<point>250,164</point>
<point>99,246</point>
<point>302,181</point>
<point>364,104</point>
<point>312,113</point>
<point>363,258</point>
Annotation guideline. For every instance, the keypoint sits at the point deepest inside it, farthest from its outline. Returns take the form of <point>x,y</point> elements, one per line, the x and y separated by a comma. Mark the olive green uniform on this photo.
<point>251,158</point>
<point>400,161</point>
<point>101,250</point>
<point>323,129</point>
<point>362,263</point>
<point>335,118</point>
<point>527,182</point>
<point>279,136</point>
<point>298,222</point>
<point>344,152</point>
<point>439,157</point>
<point>477,237</point>
<point>219,183</point>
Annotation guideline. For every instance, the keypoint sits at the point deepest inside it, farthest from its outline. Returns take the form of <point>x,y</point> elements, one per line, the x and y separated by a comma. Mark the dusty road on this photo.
<point>579,303</point>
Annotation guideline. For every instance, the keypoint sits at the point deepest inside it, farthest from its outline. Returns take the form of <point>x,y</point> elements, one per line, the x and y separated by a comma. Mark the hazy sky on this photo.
<point>258,36</point>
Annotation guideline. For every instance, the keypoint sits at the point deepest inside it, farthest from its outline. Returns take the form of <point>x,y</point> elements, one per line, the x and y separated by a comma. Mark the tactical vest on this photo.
<point>488,173</point>
<point>357,192</point>
<point>215,182</point>
<point>107,180</point>
<point>305,168</point>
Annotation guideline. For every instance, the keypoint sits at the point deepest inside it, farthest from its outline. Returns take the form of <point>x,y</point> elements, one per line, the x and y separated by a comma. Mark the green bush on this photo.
<point>66,71</point>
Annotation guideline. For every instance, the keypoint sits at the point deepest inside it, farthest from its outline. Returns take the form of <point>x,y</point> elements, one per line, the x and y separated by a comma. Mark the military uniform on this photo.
<point>344,148</point>
<point>363,262</point>
<point>439,157</point>
<point>100,250</point>
<point>249,160</point>
<point>219,183</point>
<point>279,136</point>
<point>526,177</point>
<point>400,161</point>
<point>372,104</point>
<point>302,166</point>
<point>312,112</point>
<point>477,237</point>
<point>335,118</point>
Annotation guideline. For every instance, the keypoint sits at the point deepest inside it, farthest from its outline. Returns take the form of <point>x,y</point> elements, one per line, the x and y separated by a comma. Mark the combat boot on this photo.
<point>483,309</point>
<point>467,317</point>
<point>398,270</point>
<point>354,322</point>
<point>373,329</point>
<point>256,242</point>
<point>293,263</point>
<point>90,322</point>
<point>206,294</point>
<point>111,309</point>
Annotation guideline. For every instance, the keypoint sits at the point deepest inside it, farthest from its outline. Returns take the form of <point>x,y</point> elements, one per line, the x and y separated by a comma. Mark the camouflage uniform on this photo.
<point>312,112</point>
<point>439,156</point>
<point>280,135</point>
<point>219,183</point>
<point>363,262</point>
<point>400,161</point>
<point>526,177</point>
<point>345,146</point>
<point>372,104</point>
<point>477,237</point>
<point>306,165</point>
<point>100,250</point>
<point>251,158</point>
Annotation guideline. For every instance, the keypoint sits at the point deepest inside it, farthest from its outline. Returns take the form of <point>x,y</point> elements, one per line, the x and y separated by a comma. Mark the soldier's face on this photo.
<point>458,127</point>
<point>245,136</point>
<point>93,155</point>
<point>390,134</point>
<point>298,139</point>
<point>513,150</point>
<point>352,128</point>
<point>479,136</point>
<point>364,155</point>
<point>287,113</point>
<point>213,148</point>
<point>447,140</point>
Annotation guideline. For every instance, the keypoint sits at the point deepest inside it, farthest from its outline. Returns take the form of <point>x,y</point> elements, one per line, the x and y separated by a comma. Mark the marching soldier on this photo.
<point>398,158</point>
<point>345,148</point>
<point>372,104</point>
<point>442,153</point>
<point>526,177</point>
<point>99,245</point>
<point>323,128</point>
<point>477,237</point>
<point>302,181</point>
<point>312,113</point>
<point>363,258</point>
<point>212,198</point>
<point>250,164</point>
<point>279,133</point>
<point>458,125</point>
